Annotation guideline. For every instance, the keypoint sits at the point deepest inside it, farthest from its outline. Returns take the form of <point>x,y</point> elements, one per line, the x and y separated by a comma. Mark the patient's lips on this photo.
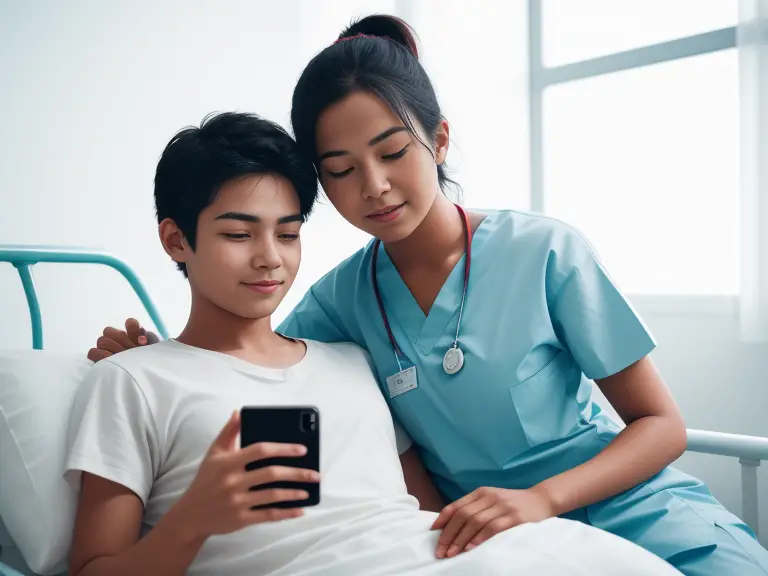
<point>263,286</point>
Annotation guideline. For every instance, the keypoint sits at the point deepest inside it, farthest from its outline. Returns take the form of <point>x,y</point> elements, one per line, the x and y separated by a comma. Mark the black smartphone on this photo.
<point>288,425</point>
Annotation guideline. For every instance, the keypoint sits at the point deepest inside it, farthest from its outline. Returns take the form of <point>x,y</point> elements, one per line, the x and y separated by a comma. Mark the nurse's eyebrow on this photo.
<point>254,219</point>
<point>372,142</point>
<point>386,134</point>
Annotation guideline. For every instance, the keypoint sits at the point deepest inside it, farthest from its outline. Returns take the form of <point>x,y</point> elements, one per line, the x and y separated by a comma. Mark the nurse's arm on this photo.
<point>418,482</point>
<point>655,436</point>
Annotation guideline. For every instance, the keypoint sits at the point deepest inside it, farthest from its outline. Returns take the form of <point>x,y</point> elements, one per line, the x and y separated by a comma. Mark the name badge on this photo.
<point>402,382</point>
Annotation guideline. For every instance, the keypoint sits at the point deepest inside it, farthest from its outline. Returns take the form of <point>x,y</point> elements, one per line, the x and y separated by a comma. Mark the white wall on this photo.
<point>92,91</point>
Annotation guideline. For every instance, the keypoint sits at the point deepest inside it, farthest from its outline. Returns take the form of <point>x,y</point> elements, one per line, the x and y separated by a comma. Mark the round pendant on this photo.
<point>453,360</point>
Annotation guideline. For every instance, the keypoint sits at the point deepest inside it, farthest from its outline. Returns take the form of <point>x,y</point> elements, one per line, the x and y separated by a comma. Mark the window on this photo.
<point>580,29</point>
<point>646,163</point>
<point>642,153</point>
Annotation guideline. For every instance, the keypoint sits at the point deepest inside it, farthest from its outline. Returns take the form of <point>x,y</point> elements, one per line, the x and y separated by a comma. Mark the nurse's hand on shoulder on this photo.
<point>114,340</point>
<point>481,514</point>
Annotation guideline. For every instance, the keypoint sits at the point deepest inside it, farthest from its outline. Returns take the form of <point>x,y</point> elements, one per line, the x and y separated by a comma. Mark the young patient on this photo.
<point>153,442</point>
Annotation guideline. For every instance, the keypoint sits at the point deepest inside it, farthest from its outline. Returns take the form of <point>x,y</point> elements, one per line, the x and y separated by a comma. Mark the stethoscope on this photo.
<point>453,360</point>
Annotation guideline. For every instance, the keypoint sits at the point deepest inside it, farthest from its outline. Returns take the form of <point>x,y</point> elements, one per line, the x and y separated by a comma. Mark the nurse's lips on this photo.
<point>387,214</point>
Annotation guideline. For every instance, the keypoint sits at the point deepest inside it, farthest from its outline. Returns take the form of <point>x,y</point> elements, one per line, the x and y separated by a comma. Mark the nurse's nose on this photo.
<point>376,182</point>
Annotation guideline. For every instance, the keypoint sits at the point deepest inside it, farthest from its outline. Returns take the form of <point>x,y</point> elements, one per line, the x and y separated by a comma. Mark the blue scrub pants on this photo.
<point>676,517</point>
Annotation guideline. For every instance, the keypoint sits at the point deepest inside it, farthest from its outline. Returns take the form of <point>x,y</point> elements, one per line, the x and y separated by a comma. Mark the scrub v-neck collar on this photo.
<point>424,331</point>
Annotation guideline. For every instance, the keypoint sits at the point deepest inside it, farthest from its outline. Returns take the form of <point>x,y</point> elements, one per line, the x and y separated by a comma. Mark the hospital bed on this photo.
<point>15,560</point>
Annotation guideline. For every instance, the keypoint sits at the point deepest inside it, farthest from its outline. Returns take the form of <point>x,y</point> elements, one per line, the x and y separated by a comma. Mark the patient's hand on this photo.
<point>222,497</point>
<point>114,340</point>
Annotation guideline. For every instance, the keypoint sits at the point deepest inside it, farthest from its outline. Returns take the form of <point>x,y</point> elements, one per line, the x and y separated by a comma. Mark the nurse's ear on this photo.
<point>442,140</point>
<point>173,241</point>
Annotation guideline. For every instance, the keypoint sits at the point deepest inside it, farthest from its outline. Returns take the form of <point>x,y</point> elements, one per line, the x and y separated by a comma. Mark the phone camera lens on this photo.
<point>308,421</point>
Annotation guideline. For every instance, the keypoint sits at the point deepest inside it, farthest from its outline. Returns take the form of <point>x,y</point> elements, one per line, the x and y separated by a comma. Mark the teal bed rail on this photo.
<point>23,258</point>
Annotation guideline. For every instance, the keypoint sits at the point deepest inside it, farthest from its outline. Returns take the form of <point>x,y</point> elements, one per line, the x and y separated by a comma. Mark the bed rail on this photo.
<point>750,450</point>
<point>23,258</point>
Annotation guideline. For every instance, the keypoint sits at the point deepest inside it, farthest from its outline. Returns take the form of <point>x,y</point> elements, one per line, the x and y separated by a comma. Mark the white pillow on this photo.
<point>37,505</point>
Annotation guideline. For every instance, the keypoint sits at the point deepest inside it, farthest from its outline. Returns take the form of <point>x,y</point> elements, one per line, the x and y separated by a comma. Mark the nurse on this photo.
<point>487,331</point>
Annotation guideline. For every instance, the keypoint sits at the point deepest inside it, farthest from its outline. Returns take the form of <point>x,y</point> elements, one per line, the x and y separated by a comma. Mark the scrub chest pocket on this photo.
<point>546,403</point>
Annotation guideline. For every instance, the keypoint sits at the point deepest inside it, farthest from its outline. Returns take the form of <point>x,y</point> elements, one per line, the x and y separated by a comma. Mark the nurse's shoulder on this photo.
<point>534,240</point>
<point>591,316</point>
<point>327,311</point>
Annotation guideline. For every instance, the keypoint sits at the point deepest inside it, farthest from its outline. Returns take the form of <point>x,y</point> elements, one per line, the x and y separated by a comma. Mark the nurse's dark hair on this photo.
<point>198,161</point>
<point>378,55</point>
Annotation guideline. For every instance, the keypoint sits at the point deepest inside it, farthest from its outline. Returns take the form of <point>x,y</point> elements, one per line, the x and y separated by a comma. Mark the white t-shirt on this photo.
<point>146,417</point>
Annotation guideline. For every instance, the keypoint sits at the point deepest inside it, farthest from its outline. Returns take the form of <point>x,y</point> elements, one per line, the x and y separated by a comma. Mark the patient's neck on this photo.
<point>213,328</point>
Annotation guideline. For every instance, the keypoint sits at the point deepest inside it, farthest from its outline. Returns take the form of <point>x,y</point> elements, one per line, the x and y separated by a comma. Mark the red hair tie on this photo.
<point>359,35</point>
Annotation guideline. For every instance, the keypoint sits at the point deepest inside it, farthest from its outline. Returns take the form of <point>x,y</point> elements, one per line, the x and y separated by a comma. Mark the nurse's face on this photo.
<point>247,250</point>
<point>379,177</point>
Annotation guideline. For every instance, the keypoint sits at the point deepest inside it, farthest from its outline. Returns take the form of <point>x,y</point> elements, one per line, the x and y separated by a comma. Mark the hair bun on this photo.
<point>381,25</point>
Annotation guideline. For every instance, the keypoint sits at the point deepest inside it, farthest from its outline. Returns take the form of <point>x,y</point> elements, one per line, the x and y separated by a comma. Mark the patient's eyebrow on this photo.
<point>372,142</point>
<point>254,219</point>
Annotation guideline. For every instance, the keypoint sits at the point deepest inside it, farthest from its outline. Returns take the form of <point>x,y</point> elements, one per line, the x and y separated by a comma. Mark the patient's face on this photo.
<point>248,249</point>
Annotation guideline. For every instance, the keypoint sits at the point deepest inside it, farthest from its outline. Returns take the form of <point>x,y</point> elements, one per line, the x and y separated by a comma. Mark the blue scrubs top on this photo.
<point>542,319</point>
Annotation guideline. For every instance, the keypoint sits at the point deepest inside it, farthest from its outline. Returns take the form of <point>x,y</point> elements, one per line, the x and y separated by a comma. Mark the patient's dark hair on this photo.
<point>378,55</point>
<point>197,162</point>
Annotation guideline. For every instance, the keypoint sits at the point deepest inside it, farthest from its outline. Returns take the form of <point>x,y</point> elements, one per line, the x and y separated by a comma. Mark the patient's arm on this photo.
<point>107,535</point>
<point>419,483</point>
<point>218,501</point>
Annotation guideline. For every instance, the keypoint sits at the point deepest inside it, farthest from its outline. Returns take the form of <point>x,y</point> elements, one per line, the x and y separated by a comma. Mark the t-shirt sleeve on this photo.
<point>314,321</point>
<point>111,432</point>
<point>589,314</point>
<point>402,439</point>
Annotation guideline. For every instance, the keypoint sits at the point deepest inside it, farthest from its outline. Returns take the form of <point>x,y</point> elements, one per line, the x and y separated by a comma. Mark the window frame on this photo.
<point>541,77</point>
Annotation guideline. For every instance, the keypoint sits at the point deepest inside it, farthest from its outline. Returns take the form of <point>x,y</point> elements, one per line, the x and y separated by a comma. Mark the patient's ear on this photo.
<point>174,243</point>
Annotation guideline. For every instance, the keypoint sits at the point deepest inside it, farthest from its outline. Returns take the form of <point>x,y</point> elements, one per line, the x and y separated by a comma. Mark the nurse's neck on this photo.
<point>436,244</point>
